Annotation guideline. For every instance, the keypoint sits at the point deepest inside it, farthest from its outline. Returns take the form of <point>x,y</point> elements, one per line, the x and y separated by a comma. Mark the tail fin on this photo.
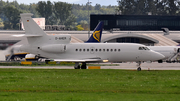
<point>96,36</point>
<point>31,27</point>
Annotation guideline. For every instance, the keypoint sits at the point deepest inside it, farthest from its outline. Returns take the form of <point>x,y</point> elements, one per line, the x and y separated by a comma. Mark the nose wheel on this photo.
<point>139,69</point>
<point>139,66</point>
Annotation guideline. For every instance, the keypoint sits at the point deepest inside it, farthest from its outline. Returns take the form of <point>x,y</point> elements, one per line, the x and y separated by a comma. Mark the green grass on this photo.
<point>88,85</point>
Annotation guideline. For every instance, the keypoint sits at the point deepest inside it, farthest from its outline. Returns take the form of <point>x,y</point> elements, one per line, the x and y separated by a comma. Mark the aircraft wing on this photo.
<point>80,60</point>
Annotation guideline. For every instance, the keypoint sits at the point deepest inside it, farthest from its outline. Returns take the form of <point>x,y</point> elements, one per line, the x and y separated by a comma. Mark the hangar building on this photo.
<point>135,22</point>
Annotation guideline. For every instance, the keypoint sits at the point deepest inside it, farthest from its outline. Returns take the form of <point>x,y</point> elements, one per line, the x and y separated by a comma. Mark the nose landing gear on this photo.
<point>139,66</point>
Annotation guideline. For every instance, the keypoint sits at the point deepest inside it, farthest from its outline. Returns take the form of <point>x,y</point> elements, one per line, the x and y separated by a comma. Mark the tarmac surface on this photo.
<point>125,66</point>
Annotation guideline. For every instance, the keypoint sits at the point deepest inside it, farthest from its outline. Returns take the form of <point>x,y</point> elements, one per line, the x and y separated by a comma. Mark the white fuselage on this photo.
<point>59,47</point>
<point>113,52</point>
<point>167,51</point>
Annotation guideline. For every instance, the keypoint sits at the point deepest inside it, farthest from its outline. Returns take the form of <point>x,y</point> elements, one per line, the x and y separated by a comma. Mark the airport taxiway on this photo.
<point>126,66</point>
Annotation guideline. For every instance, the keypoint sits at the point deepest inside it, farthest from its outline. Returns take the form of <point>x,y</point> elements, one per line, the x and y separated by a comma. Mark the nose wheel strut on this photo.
<point>139,66</point>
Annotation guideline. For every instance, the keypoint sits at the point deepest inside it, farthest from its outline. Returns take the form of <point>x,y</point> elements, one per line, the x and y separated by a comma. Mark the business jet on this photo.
<point>15,54</point>
<point>170,52</point>
<point>59,48</point>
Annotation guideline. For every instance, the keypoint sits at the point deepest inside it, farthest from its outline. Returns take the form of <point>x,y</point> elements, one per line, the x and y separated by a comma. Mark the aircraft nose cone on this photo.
<point>158,56</point>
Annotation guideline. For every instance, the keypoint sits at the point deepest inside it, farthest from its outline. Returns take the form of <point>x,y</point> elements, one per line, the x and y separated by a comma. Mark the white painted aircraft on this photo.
<point>59,48</point>
<point>170,52</point>
<point>14,54</point>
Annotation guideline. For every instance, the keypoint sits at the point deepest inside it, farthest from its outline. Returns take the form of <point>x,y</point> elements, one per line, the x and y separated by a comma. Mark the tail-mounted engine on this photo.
<point>54,48</point>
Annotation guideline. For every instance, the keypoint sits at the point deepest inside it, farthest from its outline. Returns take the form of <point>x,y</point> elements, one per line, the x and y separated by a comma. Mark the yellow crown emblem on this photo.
<point>96,35</point>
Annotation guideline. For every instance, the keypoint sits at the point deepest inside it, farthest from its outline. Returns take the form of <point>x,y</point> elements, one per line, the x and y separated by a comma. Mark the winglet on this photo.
<point>96,36</point>
<point>31,27</point>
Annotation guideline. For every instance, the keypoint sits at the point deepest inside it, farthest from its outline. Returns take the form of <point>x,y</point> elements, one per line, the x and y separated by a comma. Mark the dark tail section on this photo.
<point>96,36</point>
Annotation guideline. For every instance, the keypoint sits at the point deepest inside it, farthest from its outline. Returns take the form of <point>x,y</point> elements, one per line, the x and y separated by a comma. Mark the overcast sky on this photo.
<point>102,2</point>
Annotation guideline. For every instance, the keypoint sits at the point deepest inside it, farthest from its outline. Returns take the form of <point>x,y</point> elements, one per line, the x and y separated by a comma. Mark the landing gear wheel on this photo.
<point>139,66</point>
<point>139,69</point>
<point>77,67</point>
<point>83,65</point>
<point>160,61</point>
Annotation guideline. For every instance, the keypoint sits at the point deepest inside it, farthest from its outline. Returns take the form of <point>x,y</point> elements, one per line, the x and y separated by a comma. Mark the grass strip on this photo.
<point>57,64</point>
<point>89,85</point>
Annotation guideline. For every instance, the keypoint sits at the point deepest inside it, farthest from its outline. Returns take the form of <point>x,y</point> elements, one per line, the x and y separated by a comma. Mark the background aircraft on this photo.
<point>171,53</point>
<point>59,48</point>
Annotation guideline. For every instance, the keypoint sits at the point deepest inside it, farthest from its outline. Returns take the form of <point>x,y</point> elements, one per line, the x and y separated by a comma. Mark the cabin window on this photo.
<point>84,50</point>
<point>96,50</point>
<point>92,50</point>
<point>79,49</point>
<point>76,49</point>
<point>119,50</point>
<point>115,50</point>
<point>107,50</point>
<point>88,50</point>
<point>99,49</point>
<point>104,50</point>
<point>111,50</point>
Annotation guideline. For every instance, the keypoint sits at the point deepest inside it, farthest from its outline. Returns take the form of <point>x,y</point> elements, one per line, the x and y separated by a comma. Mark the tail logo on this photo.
<point>96,35</point>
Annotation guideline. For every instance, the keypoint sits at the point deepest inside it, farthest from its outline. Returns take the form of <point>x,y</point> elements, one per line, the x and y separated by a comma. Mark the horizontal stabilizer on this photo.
<point>28,35</point>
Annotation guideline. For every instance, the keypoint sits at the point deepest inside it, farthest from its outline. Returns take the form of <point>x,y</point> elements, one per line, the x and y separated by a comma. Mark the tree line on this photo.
<point>73,16</point>
<point>153,7</point>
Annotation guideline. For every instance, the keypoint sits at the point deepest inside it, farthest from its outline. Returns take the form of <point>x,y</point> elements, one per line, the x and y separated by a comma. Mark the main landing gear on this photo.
<point>139,66</point>
<point>77,66</point>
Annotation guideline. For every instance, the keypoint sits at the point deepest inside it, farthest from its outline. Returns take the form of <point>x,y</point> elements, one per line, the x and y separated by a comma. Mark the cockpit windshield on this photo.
<point>147,48</point>
<point>144,48</point>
